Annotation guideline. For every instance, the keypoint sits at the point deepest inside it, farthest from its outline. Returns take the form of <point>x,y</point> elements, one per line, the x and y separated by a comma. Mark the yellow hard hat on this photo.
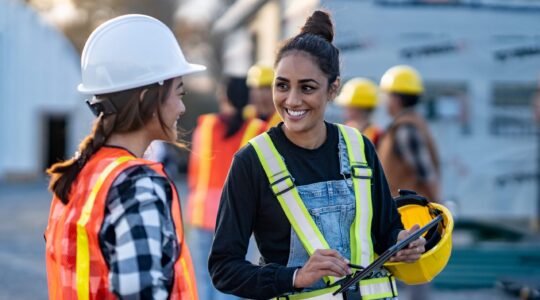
<point>260,75</point>
<point>358,92</point>
<point>402,79</point>
<point>415,209</point>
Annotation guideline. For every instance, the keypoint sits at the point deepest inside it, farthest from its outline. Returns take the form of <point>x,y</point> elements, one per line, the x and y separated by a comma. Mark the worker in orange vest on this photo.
<point>259,80</point>
<point>115,225</point>
<point>359,98</point>
<point>216,139</point>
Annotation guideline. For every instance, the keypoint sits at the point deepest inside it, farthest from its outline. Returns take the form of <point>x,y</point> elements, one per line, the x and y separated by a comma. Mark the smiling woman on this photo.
<point>301,102</point>
<point>313,193</point>
<point>115,227</point>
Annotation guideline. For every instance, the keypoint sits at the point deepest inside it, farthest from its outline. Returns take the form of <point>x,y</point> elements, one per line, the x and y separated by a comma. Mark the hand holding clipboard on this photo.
<point>348,282</point>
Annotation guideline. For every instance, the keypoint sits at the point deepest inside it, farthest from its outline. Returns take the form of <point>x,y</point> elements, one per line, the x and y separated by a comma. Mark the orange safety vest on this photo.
<point>273,120</point>
<point>372,132</point>
<point>76,268</point>
<point>209,164</point>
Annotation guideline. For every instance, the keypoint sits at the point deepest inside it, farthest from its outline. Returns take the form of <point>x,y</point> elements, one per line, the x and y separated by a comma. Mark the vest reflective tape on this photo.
<point>189,281</point>
<point>360,234</point>
<point>376,288</point>
<point>288,197</point>
<point>273,121</point>
<point>83,251</point>
<point>251,131</point>
<point>295,210</point>
<point>203,177</point>
<point>207,145</point>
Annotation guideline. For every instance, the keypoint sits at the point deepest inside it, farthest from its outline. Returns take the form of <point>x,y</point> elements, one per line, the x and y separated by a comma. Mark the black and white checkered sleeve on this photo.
<point>139,242</point>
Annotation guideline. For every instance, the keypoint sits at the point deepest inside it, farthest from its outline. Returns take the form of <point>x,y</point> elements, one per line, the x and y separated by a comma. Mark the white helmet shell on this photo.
<point>131,51</point>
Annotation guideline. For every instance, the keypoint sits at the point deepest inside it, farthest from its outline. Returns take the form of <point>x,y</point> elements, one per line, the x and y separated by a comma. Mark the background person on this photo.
<point>215,140</point>
<point>359,98</point>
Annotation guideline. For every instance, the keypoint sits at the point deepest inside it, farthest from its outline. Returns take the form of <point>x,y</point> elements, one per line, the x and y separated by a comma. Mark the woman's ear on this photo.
<point>333,89</point>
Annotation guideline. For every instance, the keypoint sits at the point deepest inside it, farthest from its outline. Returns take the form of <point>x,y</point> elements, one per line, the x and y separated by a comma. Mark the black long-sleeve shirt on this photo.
<point>248,205</point>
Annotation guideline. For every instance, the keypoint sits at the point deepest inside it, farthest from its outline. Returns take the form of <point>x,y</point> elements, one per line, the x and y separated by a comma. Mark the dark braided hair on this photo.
<point>132,114</point>
<point>316,38</point>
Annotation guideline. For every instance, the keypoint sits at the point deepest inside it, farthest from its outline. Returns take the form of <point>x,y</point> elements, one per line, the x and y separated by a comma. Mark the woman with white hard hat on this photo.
<point>115,226</point>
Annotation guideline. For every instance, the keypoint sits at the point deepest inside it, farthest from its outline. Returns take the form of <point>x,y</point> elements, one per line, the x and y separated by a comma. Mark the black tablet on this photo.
<point>386,255</point>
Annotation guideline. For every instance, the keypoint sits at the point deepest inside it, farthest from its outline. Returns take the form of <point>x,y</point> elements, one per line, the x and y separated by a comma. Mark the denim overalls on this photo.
<point>331,204</point>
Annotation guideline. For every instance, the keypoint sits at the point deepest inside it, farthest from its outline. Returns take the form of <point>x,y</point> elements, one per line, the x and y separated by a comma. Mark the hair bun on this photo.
<point>319,23</point>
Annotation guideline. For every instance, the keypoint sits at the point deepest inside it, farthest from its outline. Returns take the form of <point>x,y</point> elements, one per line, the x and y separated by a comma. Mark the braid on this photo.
<point>64,173</point>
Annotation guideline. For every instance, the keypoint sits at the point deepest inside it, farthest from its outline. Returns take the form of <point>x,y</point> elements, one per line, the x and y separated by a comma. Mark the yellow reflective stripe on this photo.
<point>82,267</point>
<point>319,237</point>
<point>251,131</point>
<point>283,204</point>
<point>378,288</point>
<point>361,227</point>
<point>203,177</point>
<point>290,201</point>
<point>189,281</point>
<point>375,288</point>
<point>365,192</point>
<point>355,243</point>
<point>274,120</point>
<point>313,294</point>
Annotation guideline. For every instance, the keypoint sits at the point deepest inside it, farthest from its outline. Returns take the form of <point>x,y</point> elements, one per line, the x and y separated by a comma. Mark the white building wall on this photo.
<point>39,71</point>
<point>470,162</point>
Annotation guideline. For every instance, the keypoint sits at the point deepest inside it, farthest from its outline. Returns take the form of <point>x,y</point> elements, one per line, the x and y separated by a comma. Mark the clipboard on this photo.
<point>383,258</point>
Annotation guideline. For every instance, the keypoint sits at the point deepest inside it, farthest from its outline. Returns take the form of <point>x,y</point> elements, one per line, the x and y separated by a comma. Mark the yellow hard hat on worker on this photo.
<point>402,79</point>
<point>358,92</point>
<point>415,209</point>
<point>260,75</point>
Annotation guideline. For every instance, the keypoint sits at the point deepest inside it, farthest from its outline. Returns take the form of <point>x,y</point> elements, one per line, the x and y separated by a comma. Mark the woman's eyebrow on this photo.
<point>308,80</point>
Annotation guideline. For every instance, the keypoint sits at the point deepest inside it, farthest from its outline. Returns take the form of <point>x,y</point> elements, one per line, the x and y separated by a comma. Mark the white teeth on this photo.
<point>296,113</point>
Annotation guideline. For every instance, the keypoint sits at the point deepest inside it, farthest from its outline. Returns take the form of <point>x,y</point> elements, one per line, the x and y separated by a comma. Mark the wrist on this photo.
<point>296,279</point>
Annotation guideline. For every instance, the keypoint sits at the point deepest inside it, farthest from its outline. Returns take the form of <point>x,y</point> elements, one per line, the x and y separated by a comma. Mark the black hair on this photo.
<point>408,100</point>
<point>238,96</point>
<point>316,39</point>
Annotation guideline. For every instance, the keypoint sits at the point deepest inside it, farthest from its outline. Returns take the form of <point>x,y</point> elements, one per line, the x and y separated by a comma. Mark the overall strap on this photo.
<point>361,173</point>
<point>286,192</point>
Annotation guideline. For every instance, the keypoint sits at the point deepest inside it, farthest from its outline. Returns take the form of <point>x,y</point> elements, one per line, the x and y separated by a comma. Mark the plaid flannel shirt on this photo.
<point>412,147</point>
<point>138,239</point>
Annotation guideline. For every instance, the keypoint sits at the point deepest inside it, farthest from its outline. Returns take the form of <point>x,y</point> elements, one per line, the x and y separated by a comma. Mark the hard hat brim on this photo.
<point>187,70</point>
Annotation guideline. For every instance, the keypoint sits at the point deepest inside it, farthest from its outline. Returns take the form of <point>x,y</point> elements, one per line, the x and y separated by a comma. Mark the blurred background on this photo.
<point>480,60</point>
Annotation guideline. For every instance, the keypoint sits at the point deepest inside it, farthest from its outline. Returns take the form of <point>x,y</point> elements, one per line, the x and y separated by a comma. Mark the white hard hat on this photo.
<point>131,51</point>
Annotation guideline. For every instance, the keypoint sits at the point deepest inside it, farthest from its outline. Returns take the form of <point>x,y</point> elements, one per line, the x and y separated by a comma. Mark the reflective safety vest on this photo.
<point>76,268</point>
<point>303,224</point>
<point>372,132</point>
<point>273,120</point>
<point>209,164</point>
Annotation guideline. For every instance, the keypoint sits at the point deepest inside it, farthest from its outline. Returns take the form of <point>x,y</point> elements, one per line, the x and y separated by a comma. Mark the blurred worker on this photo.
<point>259,80</point>
<point>359,98</point>
<point>115,226</point>
<point>407,149</point>
<point>215,140</point>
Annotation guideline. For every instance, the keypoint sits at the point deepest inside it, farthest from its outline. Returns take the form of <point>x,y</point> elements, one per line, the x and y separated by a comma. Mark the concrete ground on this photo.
<point>24,209</point>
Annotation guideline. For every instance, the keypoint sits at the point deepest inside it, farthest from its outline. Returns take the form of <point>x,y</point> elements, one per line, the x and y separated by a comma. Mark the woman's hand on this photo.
<point>415,249</point>
<point>321,263</point>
